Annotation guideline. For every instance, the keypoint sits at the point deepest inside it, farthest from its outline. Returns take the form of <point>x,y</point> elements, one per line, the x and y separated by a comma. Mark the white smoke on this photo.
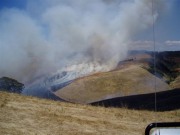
<point>50,34</point>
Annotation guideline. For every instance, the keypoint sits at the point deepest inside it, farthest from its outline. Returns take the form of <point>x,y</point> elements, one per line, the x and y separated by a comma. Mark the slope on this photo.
<point>129,80</point>
<point>21,115</point>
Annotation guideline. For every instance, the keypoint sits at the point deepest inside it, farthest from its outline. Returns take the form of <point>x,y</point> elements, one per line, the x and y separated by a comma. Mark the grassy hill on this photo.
<point>126,81</point>
<point>20,115</point>
<point>133,76</point>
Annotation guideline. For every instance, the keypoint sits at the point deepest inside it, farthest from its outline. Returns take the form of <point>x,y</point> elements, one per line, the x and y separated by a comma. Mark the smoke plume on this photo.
<point>48,35</point>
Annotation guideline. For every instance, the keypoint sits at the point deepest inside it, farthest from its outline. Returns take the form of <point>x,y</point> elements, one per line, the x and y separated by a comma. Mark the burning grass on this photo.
<point>28,115</point>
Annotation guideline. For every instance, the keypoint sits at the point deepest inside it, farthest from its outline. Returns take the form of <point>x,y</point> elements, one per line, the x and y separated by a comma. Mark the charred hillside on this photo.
<point>167,65</point>
<point>166,100</point>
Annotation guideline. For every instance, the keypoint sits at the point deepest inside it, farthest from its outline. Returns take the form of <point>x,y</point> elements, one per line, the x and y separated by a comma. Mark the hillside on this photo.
<point>20,115</point>
<point>127,81</point>
<point>133,77</point>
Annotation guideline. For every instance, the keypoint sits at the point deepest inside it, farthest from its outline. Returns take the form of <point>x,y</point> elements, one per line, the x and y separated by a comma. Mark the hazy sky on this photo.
<point>167,27</point>
<point>169,23</point>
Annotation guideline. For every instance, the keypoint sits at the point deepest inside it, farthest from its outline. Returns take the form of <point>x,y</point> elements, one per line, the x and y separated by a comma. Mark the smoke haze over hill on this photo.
<point>50,34</point>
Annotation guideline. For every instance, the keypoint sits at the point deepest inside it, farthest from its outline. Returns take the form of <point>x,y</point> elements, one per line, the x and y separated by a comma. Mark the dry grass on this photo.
<point>21,115</point>
<point>130,80</point>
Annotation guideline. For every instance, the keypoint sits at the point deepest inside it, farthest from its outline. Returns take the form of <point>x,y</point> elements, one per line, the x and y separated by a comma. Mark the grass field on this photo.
<point>129,80</point>
<point>20,115</point>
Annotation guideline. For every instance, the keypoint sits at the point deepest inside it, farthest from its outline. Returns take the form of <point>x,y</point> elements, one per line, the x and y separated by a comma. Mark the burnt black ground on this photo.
<point>167,100</point>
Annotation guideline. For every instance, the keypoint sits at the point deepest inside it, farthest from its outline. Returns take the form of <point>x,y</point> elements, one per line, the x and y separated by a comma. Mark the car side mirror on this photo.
<point>170,128</point>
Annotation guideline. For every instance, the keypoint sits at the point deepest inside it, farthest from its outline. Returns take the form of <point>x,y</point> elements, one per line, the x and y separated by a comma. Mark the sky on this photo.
<point>12,4</point>
<point>47,35</point>
<point>170,22</point>
<point>167,27</point>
